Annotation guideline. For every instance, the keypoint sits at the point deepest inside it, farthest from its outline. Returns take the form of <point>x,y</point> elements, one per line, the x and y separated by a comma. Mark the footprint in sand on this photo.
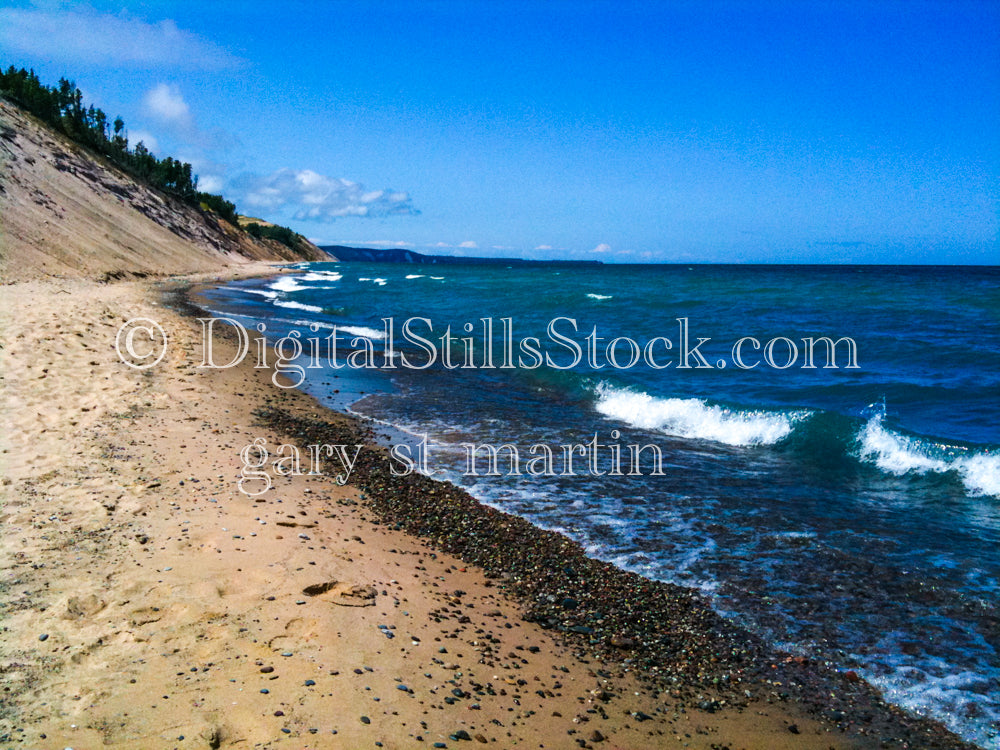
<point>344,594</point>
<point>79,607</point>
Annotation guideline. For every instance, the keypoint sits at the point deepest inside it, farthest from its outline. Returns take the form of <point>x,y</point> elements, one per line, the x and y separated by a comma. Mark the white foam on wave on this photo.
<point>928,685</point>
<point>414,276</point>
<point>287,284</point>
<point>321,276</point>
<point>694,418</point>
<point>894,453</point>
<point>380,282</point>
<point>262,292</point>
<point>600,296</point>
<point>363,331</point>
<point>981,473</point>
<point>794,536</point>
<point>368,333</point>
<point>899,454</point>
<point>297,305</point>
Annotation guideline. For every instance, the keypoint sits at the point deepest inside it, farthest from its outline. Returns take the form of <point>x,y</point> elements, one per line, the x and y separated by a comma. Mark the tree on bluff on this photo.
<point>62,108</point>
<point>284,235</point>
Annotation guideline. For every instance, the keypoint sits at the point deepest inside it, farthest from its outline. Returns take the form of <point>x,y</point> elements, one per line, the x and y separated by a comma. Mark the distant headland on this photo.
<point>401,255</point>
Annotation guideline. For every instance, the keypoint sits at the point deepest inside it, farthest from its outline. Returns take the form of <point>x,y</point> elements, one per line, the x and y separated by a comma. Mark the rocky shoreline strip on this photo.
<point>664,632</point>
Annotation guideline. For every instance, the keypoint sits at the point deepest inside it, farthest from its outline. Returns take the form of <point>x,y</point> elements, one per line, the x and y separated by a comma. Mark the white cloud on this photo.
<point>88,37</point>
<point>544,247</point>
<point>309,195</point>
<point>165,103</point>
<point>146,138</point>
<point>602,248</point>
<point>469,245</point>
<point>210,183</point>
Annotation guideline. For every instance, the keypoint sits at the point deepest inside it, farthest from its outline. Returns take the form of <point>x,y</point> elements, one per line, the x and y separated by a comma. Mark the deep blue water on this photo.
<point>849,513</point>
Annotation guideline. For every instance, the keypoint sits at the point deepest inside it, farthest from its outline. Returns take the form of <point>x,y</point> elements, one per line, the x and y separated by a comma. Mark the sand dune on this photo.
<point>67,213</point>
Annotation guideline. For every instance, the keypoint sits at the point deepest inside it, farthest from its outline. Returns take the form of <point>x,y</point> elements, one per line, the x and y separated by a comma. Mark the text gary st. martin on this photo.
<point>260,465</point>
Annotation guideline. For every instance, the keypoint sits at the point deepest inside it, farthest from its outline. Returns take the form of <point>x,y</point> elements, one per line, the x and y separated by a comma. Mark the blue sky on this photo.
<point>625,132</point>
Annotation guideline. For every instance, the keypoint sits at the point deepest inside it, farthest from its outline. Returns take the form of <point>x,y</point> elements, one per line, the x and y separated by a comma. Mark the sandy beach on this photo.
<point>149,603</point>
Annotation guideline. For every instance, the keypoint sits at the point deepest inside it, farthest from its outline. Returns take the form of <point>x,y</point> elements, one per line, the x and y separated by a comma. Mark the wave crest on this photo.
<point>321,276</point>
<point>694,418</point>
<point>287,284</point>
<point>297,305</point>
<point>901,454</point>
